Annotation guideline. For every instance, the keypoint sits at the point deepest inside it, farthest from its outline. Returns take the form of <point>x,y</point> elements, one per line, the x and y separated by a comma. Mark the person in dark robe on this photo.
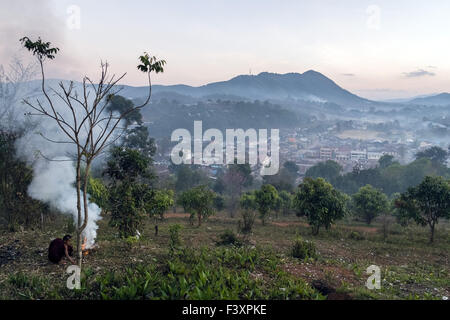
<point>60,248</point>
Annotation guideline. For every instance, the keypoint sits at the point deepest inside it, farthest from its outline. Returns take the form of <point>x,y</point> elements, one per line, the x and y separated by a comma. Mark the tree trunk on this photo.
<point>432,232</point>
<point>78,187</point>
<point>199,219</point>
<point>315,230</point>
<point>86,213</point>
<point>368,220</point>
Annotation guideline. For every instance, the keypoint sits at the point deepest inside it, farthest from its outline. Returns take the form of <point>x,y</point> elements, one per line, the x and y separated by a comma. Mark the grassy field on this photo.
<point>262,268</point>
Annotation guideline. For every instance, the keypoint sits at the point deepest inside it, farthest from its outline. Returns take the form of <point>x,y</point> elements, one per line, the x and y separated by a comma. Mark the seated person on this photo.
<point>60,248</point>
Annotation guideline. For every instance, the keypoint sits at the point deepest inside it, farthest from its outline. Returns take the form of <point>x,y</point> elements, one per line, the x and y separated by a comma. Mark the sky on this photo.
<point>376,49</point>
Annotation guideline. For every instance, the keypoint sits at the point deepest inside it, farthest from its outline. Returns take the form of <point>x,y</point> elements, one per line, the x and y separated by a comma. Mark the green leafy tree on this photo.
<point>127,202</point>
<point>128,164</point>
<point>188,177</point>
<point>386,161</point>
<point>161,201</point>
<point>198,201</point>
<point>16,207</point>
<point>121,105</point>
<point>426,203</point>
<point>436,154</point>
<point>320,203</point>
<point>401,216</point>
<point>369,203</point>
<point>139,139</point>
<point>329,170</point>
<point>248,208</point>
<point>286,202</point>
<point>98,192</point>
<point>266,200</point>
<point>130,191</point>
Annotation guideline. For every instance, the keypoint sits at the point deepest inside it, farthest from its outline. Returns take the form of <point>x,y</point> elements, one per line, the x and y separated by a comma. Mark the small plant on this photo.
<point>248,219</point>
<point>229,238</point>
<point>355,235</point>
<point>248,204</point>
<point>131,240</point>
<point>303,249</point>
<point>174,240</point>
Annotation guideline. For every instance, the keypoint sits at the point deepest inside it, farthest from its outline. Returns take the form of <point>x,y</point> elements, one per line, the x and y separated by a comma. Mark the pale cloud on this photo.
<point>205,41</point>
<point>418,73</point>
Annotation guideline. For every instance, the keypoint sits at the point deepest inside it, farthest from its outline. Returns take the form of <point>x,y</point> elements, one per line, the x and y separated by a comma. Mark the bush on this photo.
<point>132,240</point>
<point>355,235</point>
<point>303,249</point>
<point>229,238</point>
<point>248,218</point>
<point>174,240</point>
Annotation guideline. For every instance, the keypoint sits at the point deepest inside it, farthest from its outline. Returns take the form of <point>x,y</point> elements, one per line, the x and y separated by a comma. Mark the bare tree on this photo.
<point>89,126</point>
<point>13,81</point>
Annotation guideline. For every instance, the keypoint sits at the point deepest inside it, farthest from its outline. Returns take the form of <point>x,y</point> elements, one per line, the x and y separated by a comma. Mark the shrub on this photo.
<point>229,238</point>
<point>132,240</point>
<point>174,240</point>
<point>355,235</point>
<point>248,204</point>
<point>303,249</point>
<point>248,220</point>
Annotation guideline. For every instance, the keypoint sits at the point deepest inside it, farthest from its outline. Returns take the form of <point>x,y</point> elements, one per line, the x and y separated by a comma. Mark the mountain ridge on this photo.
<point>440,99</point>
<point>309,86</point>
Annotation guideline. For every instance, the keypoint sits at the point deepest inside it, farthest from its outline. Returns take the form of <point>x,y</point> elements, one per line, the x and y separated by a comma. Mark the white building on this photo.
<point>358,155</point>
<point>374,155</point>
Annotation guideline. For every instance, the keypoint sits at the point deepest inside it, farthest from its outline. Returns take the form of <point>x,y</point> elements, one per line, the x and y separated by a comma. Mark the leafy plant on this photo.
<point>174,239</point>
<point>229,238</point>
<point>320,203</point>
<point>266,200</point>
<point>355,235</point>
<point>248,205</point>
<point>303,249</point>
<point>198,202</point>
<point>369,203</point>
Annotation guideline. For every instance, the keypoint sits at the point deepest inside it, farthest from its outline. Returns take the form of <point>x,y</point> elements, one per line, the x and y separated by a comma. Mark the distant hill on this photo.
<point>165,116</point>
<point>442,99</point>
<point>308,86</point>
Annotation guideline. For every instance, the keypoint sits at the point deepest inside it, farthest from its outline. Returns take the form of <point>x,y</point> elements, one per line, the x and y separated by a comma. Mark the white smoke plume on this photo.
<point>54,172</point>
<point>53,182</point>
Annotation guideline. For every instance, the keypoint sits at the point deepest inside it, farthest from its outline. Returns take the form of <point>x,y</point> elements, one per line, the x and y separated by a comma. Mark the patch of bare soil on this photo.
<point>289,224</point>
<point>324,278</point>
<point>176,215</point>
<point>8,253</point>
<point>363,229</point>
